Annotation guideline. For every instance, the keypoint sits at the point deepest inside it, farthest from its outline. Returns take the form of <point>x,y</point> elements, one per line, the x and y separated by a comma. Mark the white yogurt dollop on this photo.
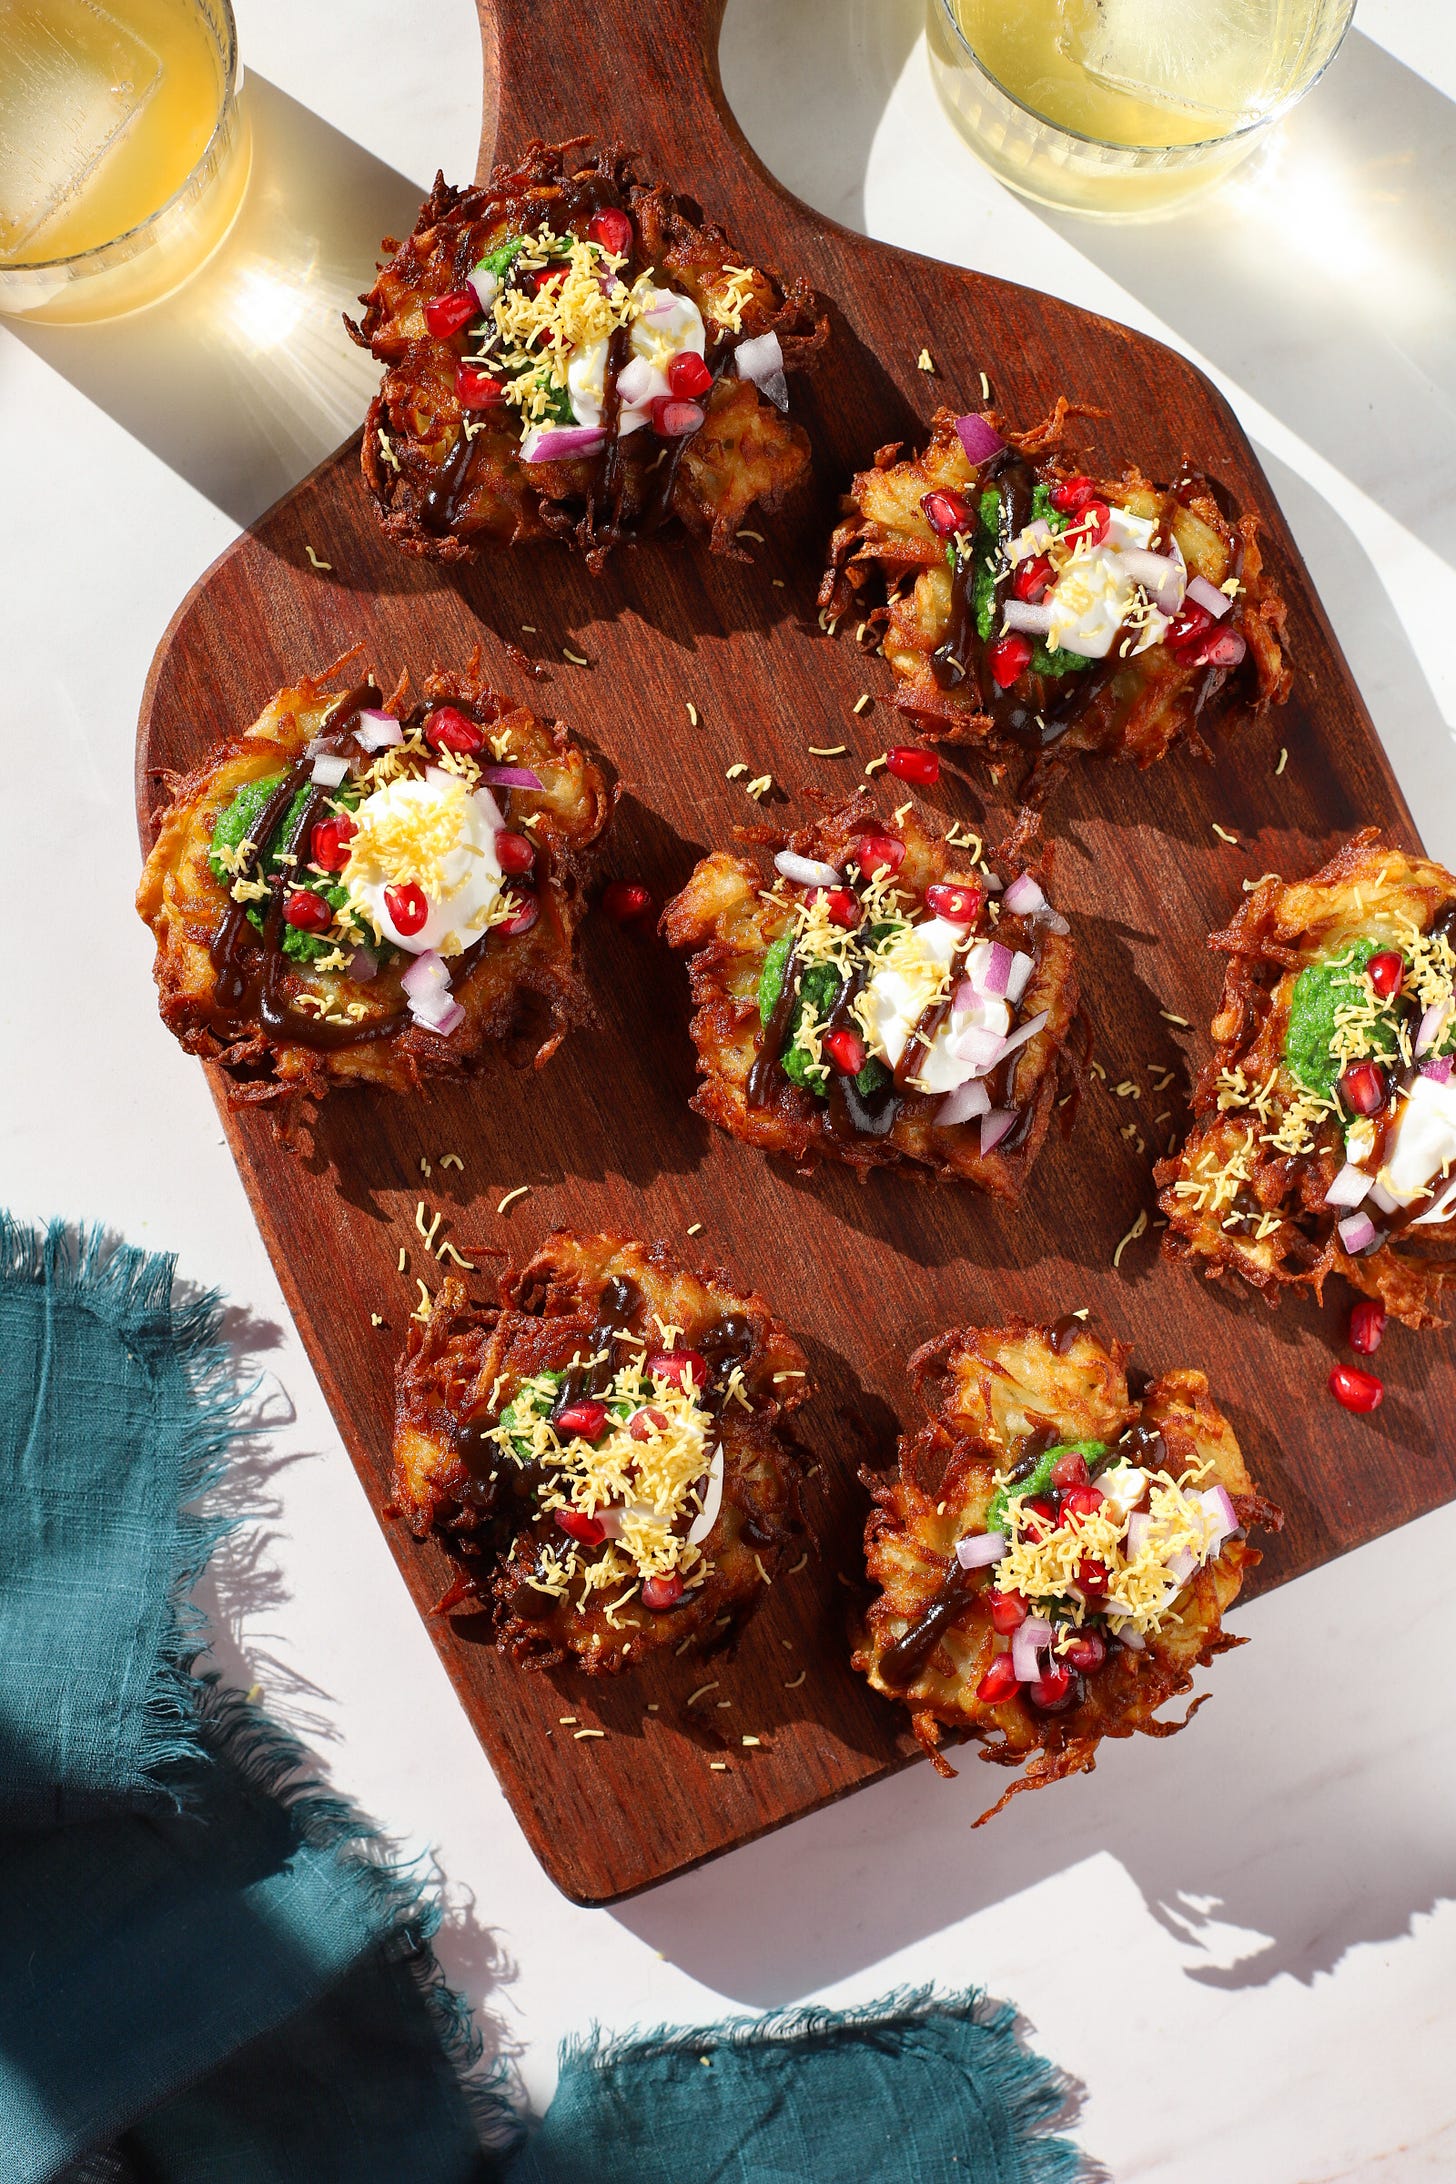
<point>667,325</point>
<point>455,830</point>
<point>1424,1141</point>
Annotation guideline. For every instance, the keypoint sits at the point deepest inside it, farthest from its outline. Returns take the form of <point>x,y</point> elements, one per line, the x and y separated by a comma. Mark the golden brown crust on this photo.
<point>723,922</point>
<point>1148,704</point>
<point>986,1392</point>
<point>521,996</point>
<point>1364,889</point>
<point>467,1362</point>
<point>745,454</point>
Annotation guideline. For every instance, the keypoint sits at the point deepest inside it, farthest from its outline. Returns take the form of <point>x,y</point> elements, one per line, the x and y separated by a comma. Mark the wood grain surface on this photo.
<point>604,1135</point>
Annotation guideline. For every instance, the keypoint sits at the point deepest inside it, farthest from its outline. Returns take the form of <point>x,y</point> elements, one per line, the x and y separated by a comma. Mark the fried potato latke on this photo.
<point>282,1027</point>
<point>1126,706</point>
<point>447,478</point>
<point>996,1399</point>
<point>1234,1197</point>
<point>727,920</point>
<point>589,1318</point>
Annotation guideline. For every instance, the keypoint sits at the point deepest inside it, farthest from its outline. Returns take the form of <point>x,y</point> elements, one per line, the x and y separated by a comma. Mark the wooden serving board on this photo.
<point>604,1135</point>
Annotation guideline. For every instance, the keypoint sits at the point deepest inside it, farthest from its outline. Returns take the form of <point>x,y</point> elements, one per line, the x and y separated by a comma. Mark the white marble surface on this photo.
<point>1244,1945</point>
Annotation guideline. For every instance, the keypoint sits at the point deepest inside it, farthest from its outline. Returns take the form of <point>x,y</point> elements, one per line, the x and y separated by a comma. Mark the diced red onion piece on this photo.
<point>1440,1069</point>
<point>1022,966</point>
<point>963,1105</point>
<point>992,882</point>
<point>982,1547</point>
<point>1161,577</point>
<point>1432,1024</point>
<point>1139,1524</point>
<point>376,731</point>
<point>1381,1199</point>
<point>1209,597</point>
<point>1023,897</point>
<point>427,974</point>
<point>805,871</point>
<point>1349,1187</point>
<point>1181,1566</point>
<point>978,438</point>
<point>329,769</point>
<point>996,968</point>
<point>511,777</point>
<point>980,1047</point>
<point>1023,1032</point>
<point>442,1021</point>
<point>1357,1233</point>
<point>1026,1643</point>
<point>707,1516</point>
<point>561,443</point>
<point>761,359</point>
<point>637,381</point>
<point>1132,1639</point>
<point>1035,539</point>
<point>1024,615</point>
<point>1220,1515</point>
<point>363,965</point>
<point>485,284</point>
<point>1052,920</point>
<point>994,1126</point>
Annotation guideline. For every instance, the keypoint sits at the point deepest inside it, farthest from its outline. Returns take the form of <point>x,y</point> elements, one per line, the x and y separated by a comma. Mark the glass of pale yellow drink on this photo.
<point>124,153</point>
<point>1125,107</point>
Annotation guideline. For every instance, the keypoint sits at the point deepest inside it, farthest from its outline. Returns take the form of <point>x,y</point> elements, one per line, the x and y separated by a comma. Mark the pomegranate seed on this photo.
<point>1070,1470</point>
<point>515,853</point>
<point>612,229</point>
<point>1188,626</point>
<point>329,840</point>
<point>1363,1087</point>
<point>676,1366</point>
<point>1039,1507</point>
<point>646,1422</point>
<point>445,315</point>
<point>688,376</point>
<point>662,1592</point>
<point>586,1419</point>
<point>408,909</point>
<point>957,905</point>
<point>308,911</point>
<point>1052,1691</point>
<point>876,853</point>
<point>624,900</point>
<point>523,917</point>
<point>1008,1611</point>
<point>1081,1501</point>
<point>448,729</point>
<point>841,903</point>
<point>545,276</point>
<point>577,1525</point>
<point>673,420</point>
<point>999,1683</point>
<point>475,389</point>
<point>1367,1325</point>
<point>1094,523</point>
<point>1093,1576</point>
<point>1356,1390</point>
<point>1386,972</point>
<point>1086,1653</point>
<point>1072,495</point>
<point>1032,577</point>
<point>946,513</point>
<point>847,1051</point>
<point>907,762</point>
<point>1009,657</point>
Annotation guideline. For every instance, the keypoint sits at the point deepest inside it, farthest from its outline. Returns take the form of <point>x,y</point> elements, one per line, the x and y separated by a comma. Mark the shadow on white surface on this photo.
<point>1215,1832</point>
<point>1336,236</point>
<point>813,119</point>
<point>245,379</point>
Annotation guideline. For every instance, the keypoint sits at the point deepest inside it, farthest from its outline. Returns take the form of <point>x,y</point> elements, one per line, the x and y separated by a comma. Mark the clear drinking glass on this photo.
<point>1124,108</point>
<point>124,151</point>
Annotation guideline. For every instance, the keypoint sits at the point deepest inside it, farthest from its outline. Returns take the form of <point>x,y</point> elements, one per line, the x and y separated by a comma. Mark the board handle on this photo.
<point>641,73</point>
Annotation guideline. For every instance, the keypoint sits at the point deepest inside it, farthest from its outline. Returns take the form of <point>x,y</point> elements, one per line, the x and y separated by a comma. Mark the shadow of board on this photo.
<point>1355,193</point>
<point>246,378</point>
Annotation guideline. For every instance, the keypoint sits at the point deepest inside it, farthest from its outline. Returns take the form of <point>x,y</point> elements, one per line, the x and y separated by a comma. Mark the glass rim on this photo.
<point>130,239</point>
<point>1106,144</point>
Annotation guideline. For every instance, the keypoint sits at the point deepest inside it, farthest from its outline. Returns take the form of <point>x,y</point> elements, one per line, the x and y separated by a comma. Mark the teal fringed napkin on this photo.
<point>207,1963</point>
